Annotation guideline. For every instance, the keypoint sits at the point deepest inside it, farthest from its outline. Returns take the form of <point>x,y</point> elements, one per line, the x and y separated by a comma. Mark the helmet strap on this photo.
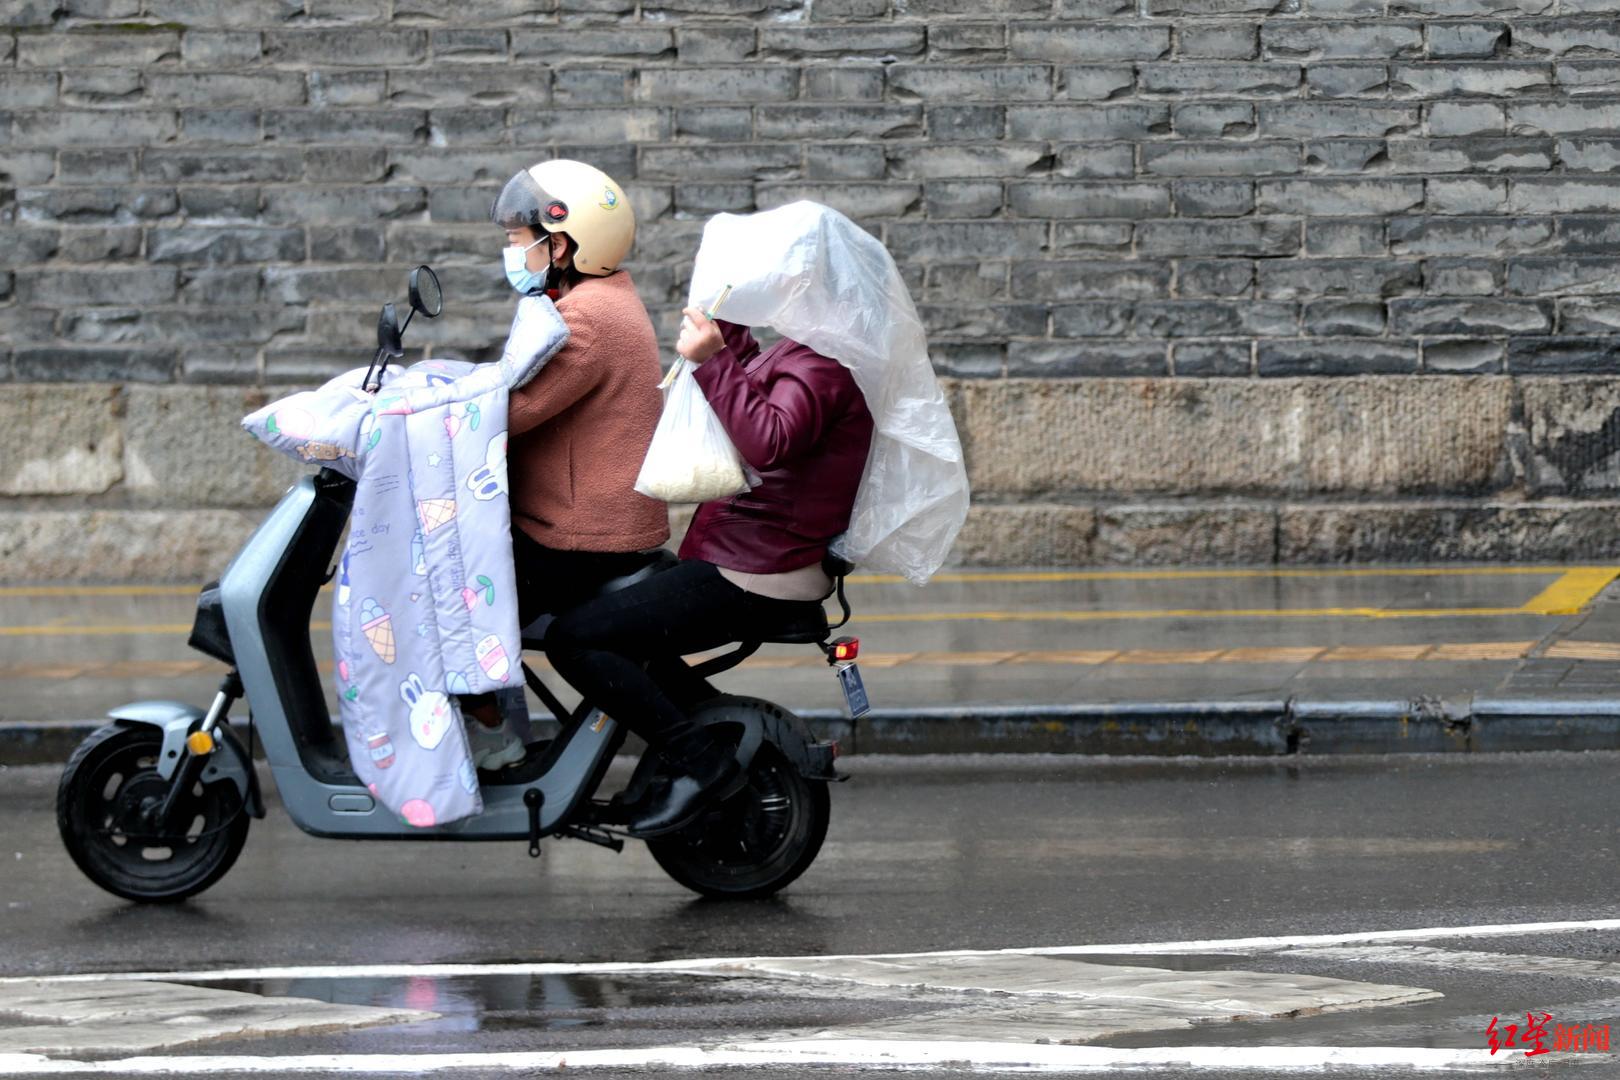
<point>552,291</point>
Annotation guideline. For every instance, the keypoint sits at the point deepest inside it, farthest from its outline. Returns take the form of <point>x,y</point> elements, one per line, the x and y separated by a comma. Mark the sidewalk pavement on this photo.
<point>1218,661</point>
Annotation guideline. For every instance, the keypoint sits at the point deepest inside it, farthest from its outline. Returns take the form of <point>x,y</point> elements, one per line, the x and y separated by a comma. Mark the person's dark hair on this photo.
<point>572,274</point>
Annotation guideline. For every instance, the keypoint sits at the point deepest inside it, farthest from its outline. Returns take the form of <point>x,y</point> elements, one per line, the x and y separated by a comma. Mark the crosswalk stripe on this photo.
<point>896,1053</point>
<point>1028,985</point>
<point>1210,945</point>
<point>1473,960</point>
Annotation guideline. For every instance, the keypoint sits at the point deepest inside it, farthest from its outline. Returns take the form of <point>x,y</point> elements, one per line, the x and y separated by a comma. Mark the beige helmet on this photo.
<point>574,198</point>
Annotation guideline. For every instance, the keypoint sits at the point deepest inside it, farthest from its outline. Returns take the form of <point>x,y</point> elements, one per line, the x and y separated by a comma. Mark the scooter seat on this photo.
<point>657,562</point>
<point>809,630</point>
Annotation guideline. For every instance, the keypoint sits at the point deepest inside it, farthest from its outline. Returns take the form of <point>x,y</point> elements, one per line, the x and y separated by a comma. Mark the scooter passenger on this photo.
<point>751,563</point>
<point>578,430</point>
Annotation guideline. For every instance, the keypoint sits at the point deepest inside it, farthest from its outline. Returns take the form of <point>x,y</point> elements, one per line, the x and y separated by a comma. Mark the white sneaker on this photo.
<point>493,748</point>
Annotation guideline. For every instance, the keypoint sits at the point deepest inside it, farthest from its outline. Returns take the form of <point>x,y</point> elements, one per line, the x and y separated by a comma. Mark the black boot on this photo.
<point>706,769</point>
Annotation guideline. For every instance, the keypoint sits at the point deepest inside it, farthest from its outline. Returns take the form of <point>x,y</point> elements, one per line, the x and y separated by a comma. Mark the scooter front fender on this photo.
<point>176,719</point>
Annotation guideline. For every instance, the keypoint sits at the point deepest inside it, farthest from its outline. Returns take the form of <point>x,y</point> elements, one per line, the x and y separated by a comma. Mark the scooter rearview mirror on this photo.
<point>426,294</point>
<point>388,333</point>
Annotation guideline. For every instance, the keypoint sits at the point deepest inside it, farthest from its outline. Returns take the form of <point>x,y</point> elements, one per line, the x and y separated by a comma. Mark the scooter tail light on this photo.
<point>847,648</point>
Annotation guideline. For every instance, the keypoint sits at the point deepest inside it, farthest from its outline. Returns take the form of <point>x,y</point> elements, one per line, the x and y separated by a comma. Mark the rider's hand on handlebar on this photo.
<point>700,337</point>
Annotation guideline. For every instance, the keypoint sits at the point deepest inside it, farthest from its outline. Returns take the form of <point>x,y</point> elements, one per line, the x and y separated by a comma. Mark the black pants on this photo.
<point>550,581</point>
<point>622,651</point>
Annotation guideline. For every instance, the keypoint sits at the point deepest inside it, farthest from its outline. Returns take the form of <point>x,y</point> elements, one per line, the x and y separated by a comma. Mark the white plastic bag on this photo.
<point>813,275</point>
<point>691,458</point>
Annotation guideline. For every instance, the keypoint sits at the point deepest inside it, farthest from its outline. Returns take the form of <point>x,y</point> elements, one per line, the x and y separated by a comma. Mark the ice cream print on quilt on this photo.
<point>425,605</point>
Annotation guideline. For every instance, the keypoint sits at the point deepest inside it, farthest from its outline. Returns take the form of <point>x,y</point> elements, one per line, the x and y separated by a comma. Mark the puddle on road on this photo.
<point>1204,1006</point>
<point>502,1002</point>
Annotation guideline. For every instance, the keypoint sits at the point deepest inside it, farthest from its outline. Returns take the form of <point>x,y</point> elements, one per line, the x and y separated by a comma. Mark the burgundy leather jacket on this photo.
<point>799,419</point>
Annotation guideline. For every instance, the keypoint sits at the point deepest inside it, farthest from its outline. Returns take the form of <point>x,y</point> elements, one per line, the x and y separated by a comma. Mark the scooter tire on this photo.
<point>704,856</point>
<point>109,775</point>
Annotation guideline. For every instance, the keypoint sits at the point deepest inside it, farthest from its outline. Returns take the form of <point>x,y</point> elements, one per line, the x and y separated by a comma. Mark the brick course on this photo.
<point>1080,191</point>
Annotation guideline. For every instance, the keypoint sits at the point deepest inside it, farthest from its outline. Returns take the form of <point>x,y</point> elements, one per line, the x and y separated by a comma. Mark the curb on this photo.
<point>1276,728</point>
<point>1222,728</point>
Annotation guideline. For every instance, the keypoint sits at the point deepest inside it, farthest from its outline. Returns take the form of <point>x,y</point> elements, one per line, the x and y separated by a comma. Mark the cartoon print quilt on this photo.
<point>425,606</point>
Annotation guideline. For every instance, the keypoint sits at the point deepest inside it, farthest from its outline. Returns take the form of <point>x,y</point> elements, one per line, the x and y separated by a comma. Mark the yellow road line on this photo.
<point>1062,656</point>
<point>1585,650</point>
<point>984,576</point>
<point>1484,650</point>
<point>1575,588</point>
<point>1047,576</point>
<point>1378,652</point>
<point>1188,613</point>
<point>1284,654</point>
<point>960,659</point>
<point>1167,656</point>
<point>1570,594</point>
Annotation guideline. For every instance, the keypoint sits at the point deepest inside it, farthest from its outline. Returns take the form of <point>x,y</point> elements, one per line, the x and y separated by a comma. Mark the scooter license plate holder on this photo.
<point>856,703</point>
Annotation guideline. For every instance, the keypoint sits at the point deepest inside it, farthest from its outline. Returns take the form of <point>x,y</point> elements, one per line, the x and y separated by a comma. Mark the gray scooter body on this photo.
<point>130,822</point>
<point>267,595</point>
<point>288,704</point>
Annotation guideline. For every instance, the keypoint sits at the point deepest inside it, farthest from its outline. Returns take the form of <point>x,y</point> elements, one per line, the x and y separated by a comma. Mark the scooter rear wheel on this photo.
<point>109,784</point>
<point>756,842</point>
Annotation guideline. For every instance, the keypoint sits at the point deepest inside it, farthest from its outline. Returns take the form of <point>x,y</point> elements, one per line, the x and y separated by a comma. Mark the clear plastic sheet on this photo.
<point>811,274</point>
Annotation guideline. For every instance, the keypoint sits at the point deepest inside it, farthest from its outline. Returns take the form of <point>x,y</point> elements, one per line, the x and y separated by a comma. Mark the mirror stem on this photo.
<point>368,385</point>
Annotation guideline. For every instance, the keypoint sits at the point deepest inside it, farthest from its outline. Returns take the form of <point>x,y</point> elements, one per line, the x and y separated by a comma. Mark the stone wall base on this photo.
<point>183,546</point>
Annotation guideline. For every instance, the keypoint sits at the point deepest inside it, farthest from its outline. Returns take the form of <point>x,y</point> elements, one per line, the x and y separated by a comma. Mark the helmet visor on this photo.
<point>519,203</point>
<point>523,202</point>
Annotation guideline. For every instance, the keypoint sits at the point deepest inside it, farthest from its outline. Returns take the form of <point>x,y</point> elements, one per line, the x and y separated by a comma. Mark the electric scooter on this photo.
<point>155,806</point>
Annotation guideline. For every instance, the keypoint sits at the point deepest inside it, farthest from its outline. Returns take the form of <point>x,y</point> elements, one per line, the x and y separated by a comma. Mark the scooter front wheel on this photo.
<point>103,809</point>
<point>757,841</point>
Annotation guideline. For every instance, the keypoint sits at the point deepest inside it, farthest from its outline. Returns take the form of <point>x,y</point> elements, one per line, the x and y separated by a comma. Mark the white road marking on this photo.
<point>1572,967</point>
<point>848,1052</point>
<point>1237,991</point>
<point>700,965</point>
<point>1273,944</point>
<point>1032,997</point>
<point>125,1017</point>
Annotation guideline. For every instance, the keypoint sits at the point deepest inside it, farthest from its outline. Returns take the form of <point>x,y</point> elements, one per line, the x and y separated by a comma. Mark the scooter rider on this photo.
<point>750,565</point>
<point>580,428</point>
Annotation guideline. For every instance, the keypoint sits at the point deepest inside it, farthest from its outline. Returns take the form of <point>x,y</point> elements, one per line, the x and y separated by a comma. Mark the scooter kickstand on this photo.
<point>593,835</point>
<point>532,799</point>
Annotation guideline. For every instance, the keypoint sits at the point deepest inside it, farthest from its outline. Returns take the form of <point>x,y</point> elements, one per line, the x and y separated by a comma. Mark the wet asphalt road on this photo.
<point>924,854</point>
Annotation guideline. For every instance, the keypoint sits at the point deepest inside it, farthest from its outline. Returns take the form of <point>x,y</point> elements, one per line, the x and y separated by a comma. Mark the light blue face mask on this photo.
<point>524,280</point>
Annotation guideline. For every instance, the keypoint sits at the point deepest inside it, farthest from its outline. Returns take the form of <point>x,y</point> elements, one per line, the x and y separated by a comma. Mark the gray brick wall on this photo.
<point>1241,207</point>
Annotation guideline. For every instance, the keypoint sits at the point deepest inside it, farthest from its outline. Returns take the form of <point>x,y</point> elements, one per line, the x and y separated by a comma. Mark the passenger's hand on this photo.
<point>700,337</point>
